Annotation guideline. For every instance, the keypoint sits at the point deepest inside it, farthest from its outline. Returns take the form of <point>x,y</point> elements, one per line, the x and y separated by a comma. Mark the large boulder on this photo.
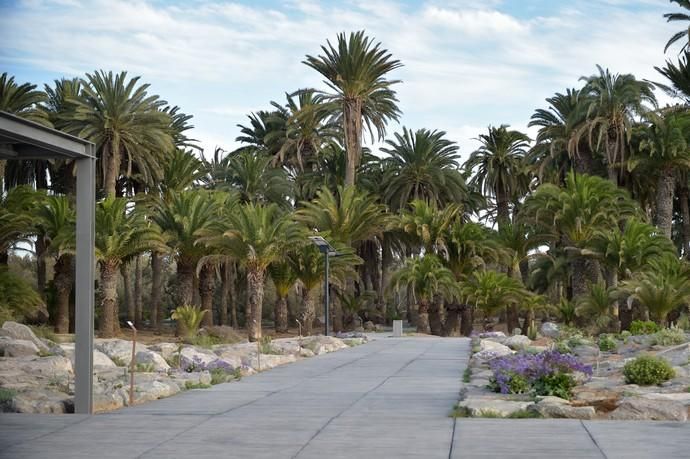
<point>48,366</point>
<point>489,350</point>
<point>550,329</point>
<point>11,347</point>
<point>195,359</point>
<point>587,351</point>
<point>20,331</point>
<point>118,350</point>
<point>42,401</point>
<point>555,407</point>
<point>154,390</point>
<point>100,360</point>
<point>680,397</point>
<point>323,344</point>
<point>642,409</point>
<point>269,361</point>
<point>601,399</point>
<point>489,406</point>
<point>518,342</point>
<point>152,359</point>
<point>676,355</point>
<point>167,350</point>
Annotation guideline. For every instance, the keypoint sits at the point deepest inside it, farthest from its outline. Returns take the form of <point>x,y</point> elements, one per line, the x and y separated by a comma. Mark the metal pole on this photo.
<point>326,298</point>
<point>84,294</point>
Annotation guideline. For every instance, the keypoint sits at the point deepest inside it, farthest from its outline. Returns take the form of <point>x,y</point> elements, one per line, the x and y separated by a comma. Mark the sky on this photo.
<point>468,64</point>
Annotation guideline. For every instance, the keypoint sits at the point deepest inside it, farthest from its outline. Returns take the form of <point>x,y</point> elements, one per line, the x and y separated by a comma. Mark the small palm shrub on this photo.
<point>647,370</point>
<point>643,327</point>
<point>683,322</point>
<point>669,337</point>
<point>546,373</point>
<point>607,343</point>
<point>18,299</point>
<point>188,319</point>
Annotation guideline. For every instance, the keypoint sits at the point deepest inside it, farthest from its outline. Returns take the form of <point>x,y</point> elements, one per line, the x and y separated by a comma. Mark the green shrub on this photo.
<point>6,395</point>
<point>625,334</point>
<point>188,319</point>
<point>191,385</point>
<point>532,331</point>
<point>647,370</point>
<point>203,340</point>
<point>45,332</point>
<point>219,376</point>
<point>643,327</point>
<point>119,361</point>
<point>563,348</point>
<point>266,346</point>
<point>557,384</point>
<point>607,343</point>
<point>467,375</point>
<point>683,322</point>
<point>222,334</point>
<point>18,299</point>
<point>144,368</point>
<point>669,337</point>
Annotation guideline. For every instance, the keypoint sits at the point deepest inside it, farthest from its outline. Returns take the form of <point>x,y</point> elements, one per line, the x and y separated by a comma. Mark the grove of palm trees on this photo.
<point>587,224</point>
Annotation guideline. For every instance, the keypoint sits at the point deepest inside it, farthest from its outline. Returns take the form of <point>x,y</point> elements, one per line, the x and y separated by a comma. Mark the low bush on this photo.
<point>647,370</point>
<point>188,319</point>
<point>467,375</point>
<point>6,395</point>
<point>191,385</point>
<point>607,343</point>
<point>546,373</point>
<point>669,337</point>
<point>643,327</point>
<point>266,346</point>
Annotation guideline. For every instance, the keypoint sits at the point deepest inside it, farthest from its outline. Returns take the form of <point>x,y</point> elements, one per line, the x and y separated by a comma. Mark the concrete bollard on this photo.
<point>397,328</point>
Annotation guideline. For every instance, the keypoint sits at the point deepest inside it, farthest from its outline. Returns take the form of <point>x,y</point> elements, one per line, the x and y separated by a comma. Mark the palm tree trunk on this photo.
<point>224,293</point>
<point>502,208</point>
<point>138,292</point>
<point>337,312</point>
<point>386,262</point>
<point>435,323</point>
<point>584,272</point>
<point>255,299</point>
<point>452,325</point>
<point>684,200</point>
<point>466,320</point>
<point>41,267</point>
<point>108,295</point>
<point>423,317</point>
<point>281,315</point>
<point>582,161</point>
<point>157,313</point>
<point>612,283</point>
<point>352,126</point>
<point>309,310</point>
<point>185,281</point>
<point>126,270</point>
<point>111,167</point>
<point>233,296</point>
<point>206,287</point>
<point>664,201</point>
<point>64,273</point>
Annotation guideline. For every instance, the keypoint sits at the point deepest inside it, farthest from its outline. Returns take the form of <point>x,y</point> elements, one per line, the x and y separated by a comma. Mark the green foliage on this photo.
<point>558,384</point>
<point>467,375</point>
<point>266,347</point>
<point>647,370</point>
<point>427,276</point>
<point>669,337</point>
<point>566,311</point>
<point>18,300</point>
<point>492,290</point>
<point>144,368</point>
<point>640,327</point>
<point>189,385</point>
<point>607,343</point>
<point>188,318</point>
<point>532,331</point>
<point>219,376</point>
<point>683,322</point>
<point>118,361</point>
<point>6,395</point>
<point>44,331</point>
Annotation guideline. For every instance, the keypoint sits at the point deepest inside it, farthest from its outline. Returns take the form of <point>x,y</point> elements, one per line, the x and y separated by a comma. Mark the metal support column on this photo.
<point>326,298</point>
<point>84,296</point>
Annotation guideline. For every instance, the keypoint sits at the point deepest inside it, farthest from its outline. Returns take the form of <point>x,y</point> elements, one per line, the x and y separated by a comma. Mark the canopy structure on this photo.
<point>21,139</point>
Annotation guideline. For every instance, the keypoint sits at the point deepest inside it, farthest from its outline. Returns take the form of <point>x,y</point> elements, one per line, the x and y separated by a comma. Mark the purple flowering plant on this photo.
<point>546,373</point>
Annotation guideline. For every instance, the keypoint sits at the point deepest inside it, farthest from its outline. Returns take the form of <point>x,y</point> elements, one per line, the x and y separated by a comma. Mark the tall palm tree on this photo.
<point>574,215</point>
<point>499,164</point>
<point>422,165</point>
<point>128,126</point>
<point>22,99</point>
<point>678,76</point>
<point>56,225</point>
<point>613,102</point>
<point>683,33</point>
<point>256,235</point>
<point>427,276</point>
<point>120,236</point>
<point>663,152</point>
<point>356,71</point>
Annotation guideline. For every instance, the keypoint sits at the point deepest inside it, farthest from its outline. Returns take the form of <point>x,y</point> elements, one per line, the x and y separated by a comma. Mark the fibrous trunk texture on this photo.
<point>255,299</point>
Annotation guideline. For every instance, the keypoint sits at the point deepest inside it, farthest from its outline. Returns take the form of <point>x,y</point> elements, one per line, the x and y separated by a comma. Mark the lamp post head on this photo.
<point>323,245</point>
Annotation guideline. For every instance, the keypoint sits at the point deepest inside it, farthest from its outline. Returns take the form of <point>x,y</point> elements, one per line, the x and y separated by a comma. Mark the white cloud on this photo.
<point>465,67</point>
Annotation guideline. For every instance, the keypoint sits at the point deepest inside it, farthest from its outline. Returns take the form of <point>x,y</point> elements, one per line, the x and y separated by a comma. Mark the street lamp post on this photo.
<point>328,251</point>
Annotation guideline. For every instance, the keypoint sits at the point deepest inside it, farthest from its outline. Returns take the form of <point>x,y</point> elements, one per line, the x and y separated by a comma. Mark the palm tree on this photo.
<point>16,209</point>
<point>613,101</point>
<point>184,219</point>
<point>683,33</point>
<point>55,222</point>
<point>491,290</point>
<point>266,131</point>
<point>574,215</point>
<point>597,305</point>
<point>429,225</point>
<point>678,77</point>
<point>555,149</point>
<point>356,72</point>
<point>427,276</point>
<point>422,165</point>
<point>120,236</point>
<point>284,278</point>
<point>663,286</point>
<point>499,164</point>
<point>127,125</point>
<point>22,99</point>
<point>256,235</point>
<point>663,149</point>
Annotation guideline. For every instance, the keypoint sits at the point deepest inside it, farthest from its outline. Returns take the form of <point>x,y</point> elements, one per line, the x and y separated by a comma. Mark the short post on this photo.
<point>132,363</point>
<point>397,328</point>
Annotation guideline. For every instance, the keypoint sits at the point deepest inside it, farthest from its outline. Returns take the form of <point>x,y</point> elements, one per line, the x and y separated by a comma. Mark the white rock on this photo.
<point>323,344</point>
<point>154,390</point>
<point>48,366</point>
<point>518,342</point>
<point>635,408</point>
<point>100,360</point>
<point>676,355</point>
<point>11,347</point>
<point>118,350</point>
<point>563,410</point>
<point>147,357</point>
<point>194,357</point>
<point>43,401</point>
<point>478,407</point>
<point>681,397</point>
<point>550,329</point>
<point>489,350</point>
<point>269,361</point>
<point>286,345</point>
<point>20,331</point>
<point>166,350</point>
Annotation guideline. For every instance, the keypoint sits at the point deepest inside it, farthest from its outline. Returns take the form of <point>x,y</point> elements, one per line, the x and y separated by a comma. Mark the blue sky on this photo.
<point>467,64</point>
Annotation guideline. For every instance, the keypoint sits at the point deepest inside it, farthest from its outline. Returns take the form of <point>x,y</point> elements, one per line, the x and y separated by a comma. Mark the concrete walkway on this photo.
<point>387,399</point>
